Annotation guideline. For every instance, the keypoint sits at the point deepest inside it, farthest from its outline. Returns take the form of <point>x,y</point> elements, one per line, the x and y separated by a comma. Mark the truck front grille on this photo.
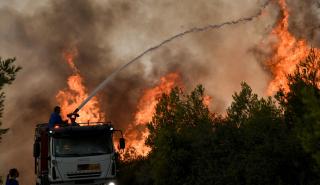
<point>83,175</point>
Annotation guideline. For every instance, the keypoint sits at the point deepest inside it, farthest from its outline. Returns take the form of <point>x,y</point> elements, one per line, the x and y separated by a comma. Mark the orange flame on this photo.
<point>288,52</point>
<point>148,102</point>
<point>207,100</point>
<point>137,132</point>
<point>76,92</point>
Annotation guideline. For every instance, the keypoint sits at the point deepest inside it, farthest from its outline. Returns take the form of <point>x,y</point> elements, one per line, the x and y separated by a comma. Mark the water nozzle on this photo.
<point>73,116</point>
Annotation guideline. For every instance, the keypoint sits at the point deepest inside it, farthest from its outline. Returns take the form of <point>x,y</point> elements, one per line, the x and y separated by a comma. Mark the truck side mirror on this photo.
<point>36,149</point>
<point>122,143</point>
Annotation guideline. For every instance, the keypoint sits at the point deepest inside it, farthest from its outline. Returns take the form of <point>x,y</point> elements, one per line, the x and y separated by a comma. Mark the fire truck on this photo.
<point>73,155</point>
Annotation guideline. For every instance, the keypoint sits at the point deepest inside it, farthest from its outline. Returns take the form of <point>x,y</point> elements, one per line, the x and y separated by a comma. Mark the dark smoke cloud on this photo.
<point>110,33</point>
<point>38,40</point>
<point>305,20</point>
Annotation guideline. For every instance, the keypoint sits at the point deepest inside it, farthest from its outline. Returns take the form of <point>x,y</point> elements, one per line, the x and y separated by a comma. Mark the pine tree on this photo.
<point>8,73</point>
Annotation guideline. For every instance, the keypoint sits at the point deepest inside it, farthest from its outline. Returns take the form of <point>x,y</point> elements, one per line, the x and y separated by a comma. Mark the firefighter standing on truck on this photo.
<point>55,118</point>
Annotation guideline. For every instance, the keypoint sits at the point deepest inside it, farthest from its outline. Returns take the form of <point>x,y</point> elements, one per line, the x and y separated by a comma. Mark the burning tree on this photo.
<point>302,103</point>
<point>8,73</point>
<point>288,52</point>
<point>253,144</point>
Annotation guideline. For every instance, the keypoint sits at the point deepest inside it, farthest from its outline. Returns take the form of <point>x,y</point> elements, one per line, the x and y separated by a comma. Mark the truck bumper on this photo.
<point>86,182</point>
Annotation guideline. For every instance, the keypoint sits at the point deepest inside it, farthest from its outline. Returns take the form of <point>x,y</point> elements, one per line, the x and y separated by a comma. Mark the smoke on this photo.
<point>37,40</point>
<point>163,43</point>
<point>109,34</point>
<point>305,20</point>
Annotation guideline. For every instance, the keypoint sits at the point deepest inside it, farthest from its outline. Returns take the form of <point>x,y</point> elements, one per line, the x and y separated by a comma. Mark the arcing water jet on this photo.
<point>174,37</point>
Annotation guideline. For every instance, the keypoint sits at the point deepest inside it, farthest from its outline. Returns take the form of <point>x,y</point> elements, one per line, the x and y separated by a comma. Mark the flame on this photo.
<point>288,52</point>
<point>207,100</point>
<point>76,92</point>
<point>148,102</point>
<point>137,132</point>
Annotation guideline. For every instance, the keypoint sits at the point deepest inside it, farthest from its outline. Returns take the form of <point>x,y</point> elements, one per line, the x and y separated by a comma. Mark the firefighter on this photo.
<point>12,177</point>
<point>55,118</point>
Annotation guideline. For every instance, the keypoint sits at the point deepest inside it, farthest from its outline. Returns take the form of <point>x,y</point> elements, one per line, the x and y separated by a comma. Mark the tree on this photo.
<point>251,145</point>
<point>8,73</point>
<point>266,151</point>
<point>259,141</point>
<point>302,103</point>
<point>180,130</point>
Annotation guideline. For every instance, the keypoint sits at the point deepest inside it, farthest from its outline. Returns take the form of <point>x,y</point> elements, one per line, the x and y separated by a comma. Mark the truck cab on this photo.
<point>73,155</point>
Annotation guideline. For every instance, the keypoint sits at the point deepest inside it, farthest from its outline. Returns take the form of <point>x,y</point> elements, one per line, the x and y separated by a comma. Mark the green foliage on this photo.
<point>302,104</point>
<point>8,73</point>
<point>135,171</point>
<point>262,149</point>
<point>309,124</point>
<point>251,145</point>
<point>259,141</point>
<point>180,129</point>
<point>246,105</point>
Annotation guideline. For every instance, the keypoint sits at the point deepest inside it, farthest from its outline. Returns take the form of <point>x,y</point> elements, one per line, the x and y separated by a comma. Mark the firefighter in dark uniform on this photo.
<point>55,118</point>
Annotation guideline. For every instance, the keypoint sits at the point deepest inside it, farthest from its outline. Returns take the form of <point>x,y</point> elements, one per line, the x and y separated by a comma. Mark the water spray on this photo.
<point>174,37</point>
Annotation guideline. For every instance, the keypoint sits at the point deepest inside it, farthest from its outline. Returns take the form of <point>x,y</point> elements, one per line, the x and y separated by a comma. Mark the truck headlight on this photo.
<point>111,183</point>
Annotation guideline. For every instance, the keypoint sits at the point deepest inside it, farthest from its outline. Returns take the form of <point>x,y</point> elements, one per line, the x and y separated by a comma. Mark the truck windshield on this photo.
<point>82,146</point>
